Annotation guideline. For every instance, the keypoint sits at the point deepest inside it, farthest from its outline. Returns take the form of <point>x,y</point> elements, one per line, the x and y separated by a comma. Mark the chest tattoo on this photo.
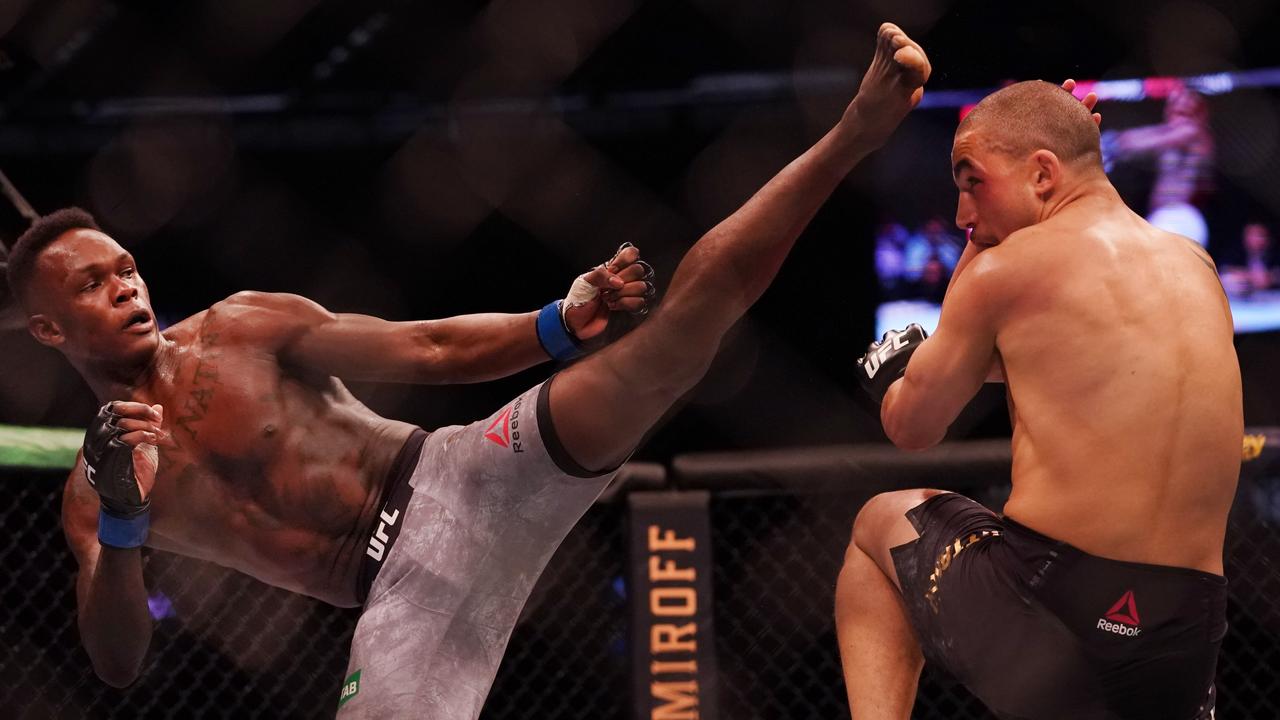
<point>204,381</point>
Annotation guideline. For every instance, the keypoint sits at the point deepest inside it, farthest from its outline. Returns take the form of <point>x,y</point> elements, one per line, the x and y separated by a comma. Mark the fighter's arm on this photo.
<point>949,368</point>
<point>971,250</point>
<point>463,349</point>
<point>114,620</point>
<point>996,373</point>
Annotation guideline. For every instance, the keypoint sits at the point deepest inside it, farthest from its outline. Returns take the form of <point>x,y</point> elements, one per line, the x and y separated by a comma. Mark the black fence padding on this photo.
<point>837,468</point>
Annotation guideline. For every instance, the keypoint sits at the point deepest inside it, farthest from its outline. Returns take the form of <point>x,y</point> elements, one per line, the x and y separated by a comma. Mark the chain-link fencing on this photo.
<point>226,646</point>
<point>776,560</point>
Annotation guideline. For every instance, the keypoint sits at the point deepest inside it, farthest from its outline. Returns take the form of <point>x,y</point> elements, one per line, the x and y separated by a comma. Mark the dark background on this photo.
<point>416,160</point>
<point>421,159</point>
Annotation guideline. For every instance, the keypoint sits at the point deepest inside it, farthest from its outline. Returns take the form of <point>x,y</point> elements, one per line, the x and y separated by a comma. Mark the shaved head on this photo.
<point>1035,115</point>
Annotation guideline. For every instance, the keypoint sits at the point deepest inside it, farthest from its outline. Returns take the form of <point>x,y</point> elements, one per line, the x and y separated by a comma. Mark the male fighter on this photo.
<point>1099,592</point>
<point>267,465</point>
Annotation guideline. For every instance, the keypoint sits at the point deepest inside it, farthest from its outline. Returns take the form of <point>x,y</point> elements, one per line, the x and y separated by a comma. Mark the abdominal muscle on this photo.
<point>296,518</point>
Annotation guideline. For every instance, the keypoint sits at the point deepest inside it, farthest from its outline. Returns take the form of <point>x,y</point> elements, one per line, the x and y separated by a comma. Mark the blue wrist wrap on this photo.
<point>118,532</point>
<point>554,336</point>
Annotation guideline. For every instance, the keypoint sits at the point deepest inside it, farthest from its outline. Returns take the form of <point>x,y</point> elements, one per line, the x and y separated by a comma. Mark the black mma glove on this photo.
<point>108,466</point>
<point>886,361</point>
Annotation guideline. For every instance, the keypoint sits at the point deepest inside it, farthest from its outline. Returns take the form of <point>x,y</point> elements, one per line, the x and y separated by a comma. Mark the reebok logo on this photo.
<point>1125,610</point>
<point>499,432</point>
<point>378,541</point>
<point>876,359</point>
<point>1122,618</point>
<point>504,431</point>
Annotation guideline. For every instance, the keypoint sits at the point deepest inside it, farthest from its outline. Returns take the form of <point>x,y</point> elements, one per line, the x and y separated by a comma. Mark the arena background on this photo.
<point>416,160</point>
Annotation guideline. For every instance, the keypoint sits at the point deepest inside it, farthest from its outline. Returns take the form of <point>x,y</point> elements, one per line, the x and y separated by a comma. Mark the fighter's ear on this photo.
<point>45,330</point>
<point>1046,171</point>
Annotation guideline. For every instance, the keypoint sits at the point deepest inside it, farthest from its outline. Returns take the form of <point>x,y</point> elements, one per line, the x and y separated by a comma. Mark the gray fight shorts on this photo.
<point>491,502</point>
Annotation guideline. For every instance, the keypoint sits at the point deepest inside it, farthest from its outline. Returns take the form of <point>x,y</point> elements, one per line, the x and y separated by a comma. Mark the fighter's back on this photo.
<point>1125,387</point>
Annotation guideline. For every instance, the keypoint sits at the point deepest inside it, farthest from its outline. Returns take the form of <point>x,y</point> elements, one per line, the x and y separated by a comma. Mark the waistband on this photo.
<point>393,503</point>
<point>1016,531</point>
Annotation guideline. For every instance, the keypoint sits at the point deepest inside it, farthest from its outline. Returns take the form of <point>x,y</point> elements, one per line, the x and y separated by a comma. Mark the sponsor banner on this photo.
<point>673,642</point>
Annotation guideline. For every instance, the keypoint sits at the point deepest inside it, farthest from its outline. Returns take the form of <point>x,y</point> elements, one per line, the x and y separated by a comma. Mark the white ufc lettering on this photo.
<point>877,358</point>
<point>378,543</point>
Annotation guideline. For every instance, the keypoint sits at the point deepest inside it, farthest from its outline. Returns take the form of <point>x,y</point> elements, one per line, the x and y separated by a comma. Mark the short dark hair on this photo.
<point>42,233</point>
<point>1035,115</point>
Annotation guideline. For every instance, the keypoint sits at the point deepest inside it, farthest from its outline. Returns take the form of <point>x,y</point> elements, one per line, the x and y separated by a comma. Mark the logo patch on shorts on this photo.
<point>499,432</point>
<point>946,557</point>
<point>350,688</point>
<point>1122,618</point>
<point>504,431</point>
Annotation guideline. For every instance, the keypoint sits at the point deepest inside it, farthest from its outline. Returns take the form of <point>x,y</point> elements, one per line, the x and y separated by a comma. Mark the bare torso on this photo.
<point>1124,387</point>
<point>267,470</point>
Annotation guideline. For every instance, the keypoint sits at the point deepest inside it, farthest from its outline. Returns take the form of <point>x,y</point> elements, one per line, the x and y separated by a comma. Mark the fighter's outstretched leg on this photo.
<point>603,406</point>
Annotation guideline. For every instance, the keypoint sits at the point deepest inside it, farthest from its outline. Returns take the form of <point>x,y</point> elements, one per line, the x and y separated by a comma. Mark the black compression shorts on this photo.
<point>1038,629</point>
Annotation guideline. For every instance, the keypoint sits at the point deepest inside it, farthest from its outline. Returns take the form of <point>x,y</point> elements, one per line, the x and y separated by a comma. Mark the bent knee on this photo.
<point>882,521</point>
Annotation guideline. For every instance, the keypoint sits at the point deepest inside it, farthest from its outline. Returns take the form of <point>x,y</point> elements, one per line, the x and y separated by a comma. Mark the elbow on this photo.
<point>912,437</point>
<point>905,432</point>
<point>913,442</point>
<point>118,664</point>
<point>433,359</point>
<point>117,675</point>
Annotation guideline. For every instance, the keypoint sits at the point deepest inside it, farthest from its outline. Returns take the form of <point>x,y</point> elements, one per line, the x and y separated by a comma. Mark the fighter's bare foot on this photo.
<point>892,85</point>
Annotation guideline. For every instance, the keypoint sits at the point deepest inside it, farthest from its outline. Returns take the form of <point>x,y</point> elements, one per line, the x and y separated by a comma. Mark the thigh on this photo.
<point>504,482</point>
<point>410,662</point>
<point>490,507</point>
<point>393,650</point>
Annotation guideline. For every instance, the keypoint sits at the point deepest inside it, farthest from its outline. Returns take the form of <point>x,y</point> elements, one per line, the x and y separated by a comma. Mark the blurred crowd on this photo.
<point>1259,272</point>
<point>916,265</point>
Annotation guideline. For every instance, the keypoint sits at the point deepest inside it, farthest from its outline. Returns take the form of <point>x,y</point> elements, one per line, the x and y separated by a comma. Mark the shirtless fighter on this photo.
<point>267,465</point>
<point>1098,593</point>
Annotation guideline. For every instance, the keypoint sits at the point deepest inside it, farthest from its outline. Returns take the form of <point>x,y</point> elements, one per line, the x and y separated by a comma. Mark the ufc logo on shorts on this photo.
<point>876,359</point>
<point>378,543</point>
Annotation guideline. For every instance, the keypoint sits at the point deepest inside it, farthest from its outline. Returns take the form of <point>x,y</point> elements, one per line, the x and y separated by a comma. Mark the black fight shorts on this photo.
<point>1038,629</point>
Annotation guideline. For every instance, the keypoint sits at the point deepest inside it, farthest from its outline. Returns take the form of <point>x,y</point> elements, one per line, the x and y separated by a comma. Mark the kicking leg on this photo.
<point>603,406</point>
